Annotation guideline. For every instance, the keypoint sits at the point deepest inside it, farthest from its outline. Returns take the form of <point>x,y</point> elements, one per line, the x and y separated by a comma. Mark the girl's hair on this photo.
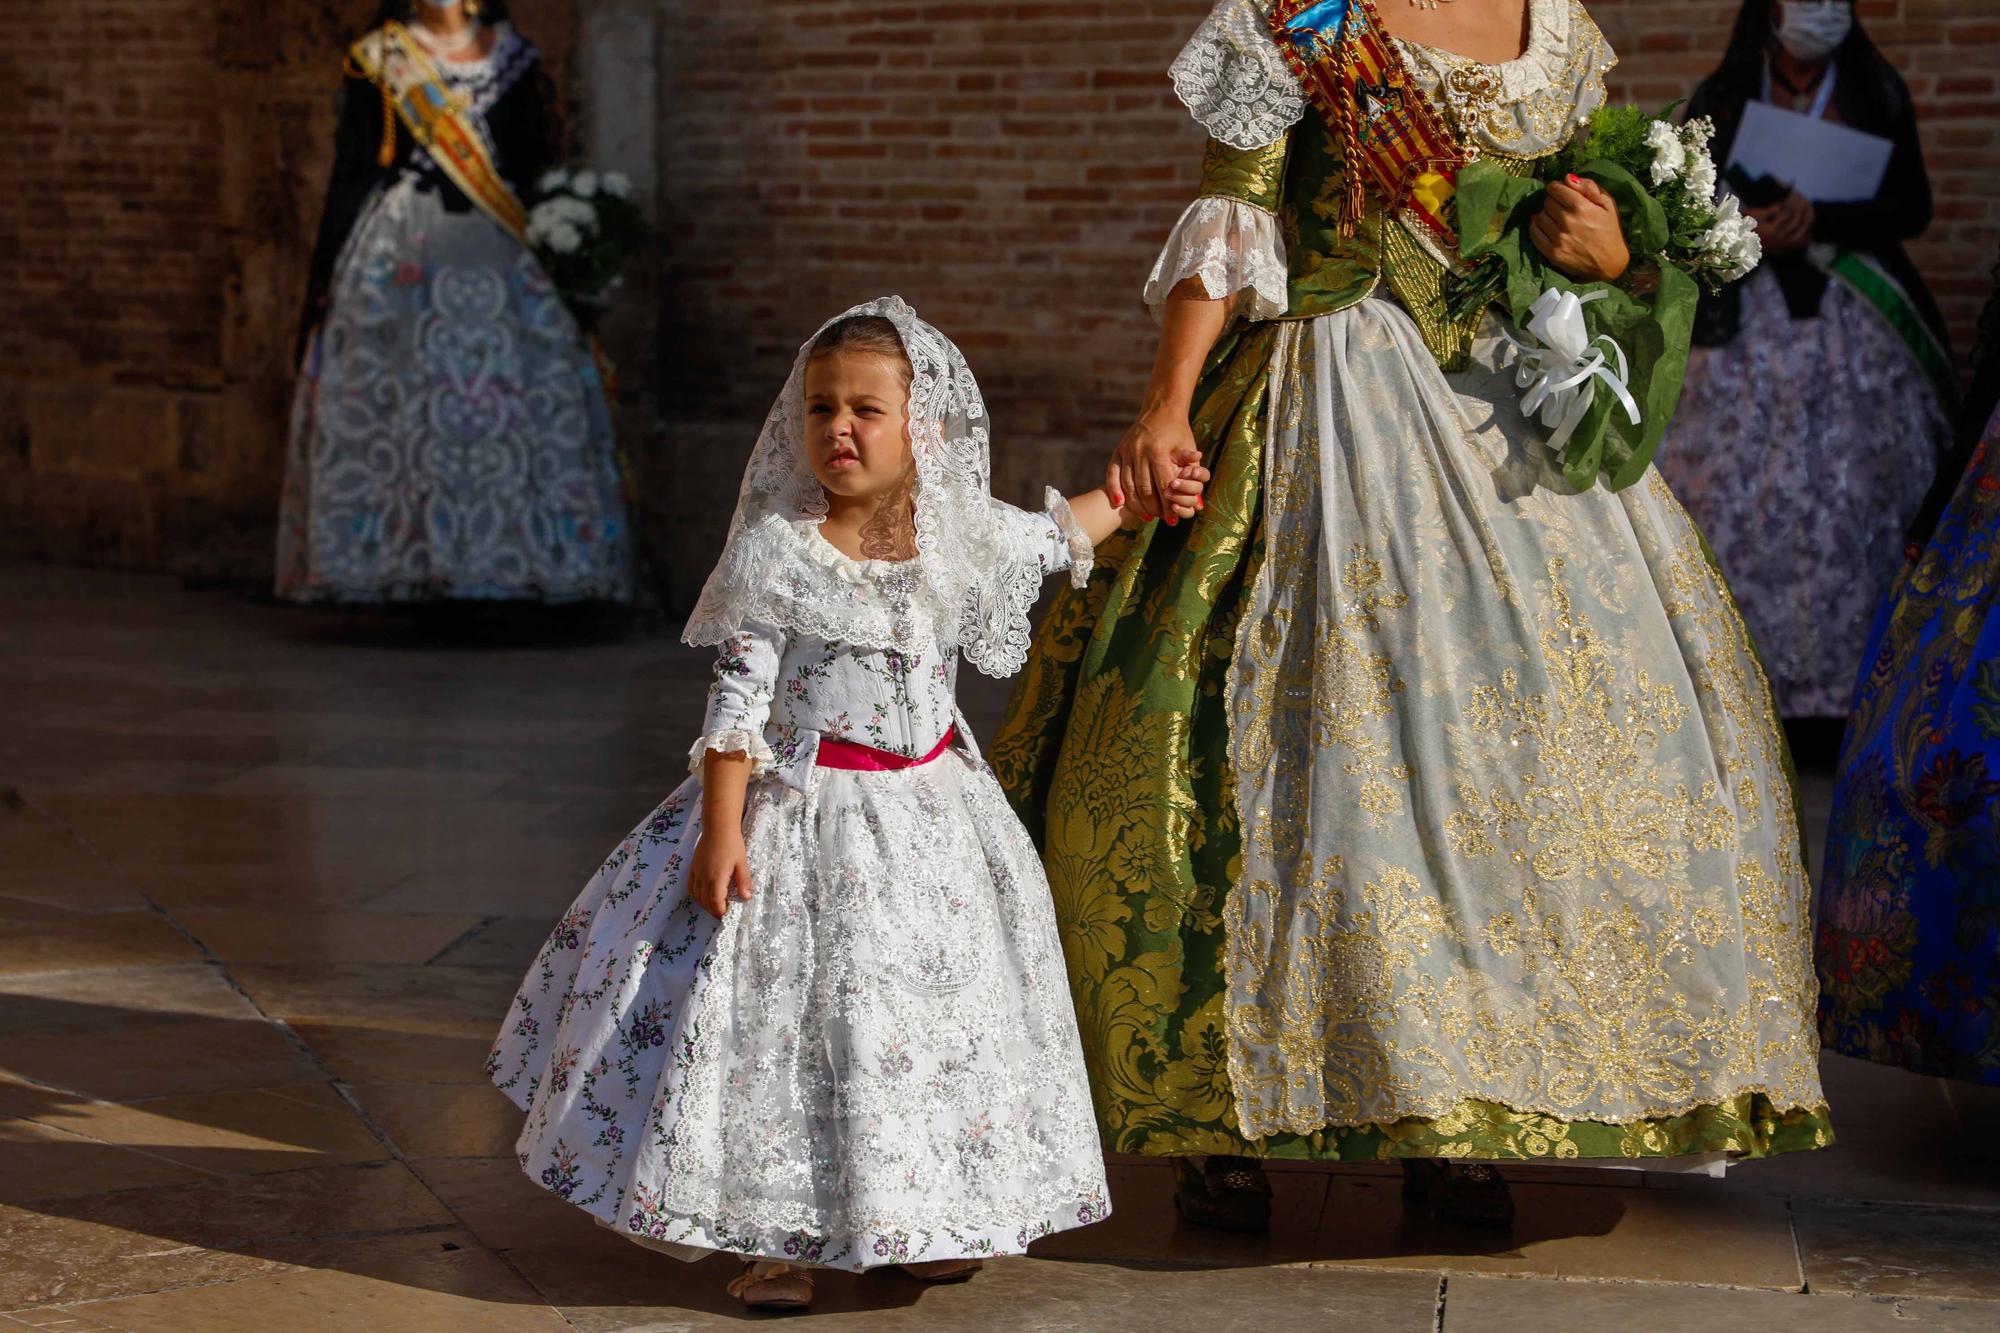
<point>864,333</point>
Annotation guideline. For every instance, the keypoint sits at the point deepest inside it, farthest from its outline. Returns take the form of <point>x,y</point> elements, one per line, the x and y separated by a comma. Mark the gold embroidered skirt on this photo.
<point>1409,803</point>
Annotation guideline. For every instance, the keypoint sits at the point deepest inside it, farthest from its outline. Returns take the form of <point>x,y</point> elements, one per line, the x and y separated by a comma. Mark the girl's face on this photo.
<point>857,424</point>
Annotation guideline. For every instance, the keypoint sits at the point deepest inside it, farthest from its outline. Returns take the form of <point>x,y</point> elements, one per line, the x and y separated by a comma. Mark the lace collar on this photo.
<point>824,553</point>
<point>486,79</point>
<point>1528,106</point>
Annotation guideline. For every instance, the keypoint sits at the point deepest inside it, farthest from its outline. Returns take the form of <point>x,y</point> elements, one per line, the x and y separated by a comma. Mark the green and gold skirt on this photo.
<point>1520,877</point>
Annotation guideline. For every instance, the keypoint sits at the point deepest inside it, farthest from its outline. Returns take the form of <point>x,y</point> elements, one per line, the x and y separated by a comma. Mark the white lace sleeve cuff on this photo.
<point>732,740</point>
<point>1232,247</point>
<point>1082,550</point>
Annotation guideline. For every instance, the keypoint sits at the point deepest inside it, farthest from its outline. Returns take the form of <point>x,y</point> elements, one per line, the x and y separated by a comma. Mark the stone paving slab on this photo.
<point>141,1240</point>
<point>294,936</point>
<point>1358,1221</point>
<point>426,1120</point>
<point>1880,1250</point>
<point>39,1162</point>
<point>403,1284</point>
<point>1494,1305</point>
<point>1019,1295</point>
<point>245,1132</point>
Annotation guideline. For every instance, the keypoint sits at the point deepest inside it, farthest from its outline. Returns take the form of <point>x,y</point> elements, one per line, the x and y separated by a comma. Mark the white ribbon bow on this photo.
<point>1561,364</point>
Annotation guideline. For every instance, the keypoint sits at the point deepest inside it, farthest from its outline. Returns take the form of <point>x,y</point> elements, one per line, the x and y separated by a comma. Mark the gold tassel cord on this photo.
<point>387,153</point>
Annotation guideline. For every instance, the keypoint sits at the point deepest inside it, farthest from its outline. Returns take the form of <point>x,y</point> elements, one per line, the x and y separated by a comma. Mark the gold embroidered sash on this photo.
<point>438,119</point>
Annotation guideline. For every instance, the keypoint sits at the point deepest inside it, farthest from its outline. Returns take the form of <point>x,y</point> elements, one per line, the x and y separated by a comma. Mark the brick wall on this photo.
<point>1009,167</point>
<point>164,163</point>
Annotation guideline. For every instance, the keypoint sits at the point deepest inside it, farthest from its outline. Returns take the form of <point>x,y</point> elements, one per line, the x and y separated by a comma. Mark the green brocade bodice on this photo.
<point>1301,179</point>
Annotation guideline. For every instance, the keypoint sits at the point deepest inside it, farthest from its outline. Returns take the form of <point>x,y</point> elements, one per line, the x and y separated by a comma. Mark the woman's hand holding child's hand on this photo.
<point>1100,515</point>
<point>720,871</point>
<point>1184,498</point>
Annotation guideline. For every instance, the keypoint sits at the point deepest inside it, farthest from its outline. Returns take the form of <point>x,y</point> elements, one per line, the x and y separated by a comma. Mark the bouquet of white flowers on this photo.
<point>583,228</point>
<point>1712,240</point>
<point>1603,362</point>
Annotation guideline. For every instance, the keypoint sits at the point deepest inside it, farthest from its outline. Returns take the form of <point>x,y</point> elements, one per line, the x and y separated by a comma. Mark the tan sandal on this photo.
<point>766,1284</point>
<point>943,1270</point>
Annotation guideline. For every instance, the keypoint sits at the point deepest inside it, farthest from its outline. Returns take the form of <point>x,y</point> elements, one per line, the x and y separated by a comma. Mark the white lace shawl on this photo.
<point>975,577</point>
<point>1233,79</point>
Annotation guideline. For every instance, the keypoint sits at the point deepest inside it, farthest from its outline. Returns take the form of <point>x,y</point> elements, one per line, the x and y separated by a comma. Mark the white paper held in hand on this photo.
<point>1827,163</point>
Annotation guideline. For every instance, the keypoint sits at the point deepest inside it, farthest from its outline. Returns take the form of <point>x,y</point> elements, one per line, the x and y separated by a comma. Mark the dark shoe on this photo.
<point>1420,1176</point>
<point>1472,1196</point>
<point>1227,1193</point>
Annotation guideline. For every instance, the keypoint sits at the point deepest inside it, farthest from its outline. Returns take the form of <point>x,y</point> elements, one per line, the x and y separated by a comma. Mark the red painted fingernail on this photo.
<point>1575,179</point>
<point>1118,500</point>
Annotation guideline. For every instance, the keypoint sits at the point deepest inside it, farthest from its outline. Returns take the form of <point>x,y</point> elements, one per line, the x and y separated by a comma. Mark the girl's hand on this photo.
<point>720,871</point>
<point>1577,231</point>
<point>1184,497</point>
<point>1148,460</point>
<point>1786,227</point>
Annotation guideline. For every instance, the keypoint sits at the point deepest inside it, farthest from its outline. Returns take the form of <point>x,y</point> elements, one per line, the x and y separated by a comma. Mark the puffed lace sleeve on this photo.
<point>739,702</point>
<point>1041,544</point>
<point>1232,247</point>
<point>1229,236</point>
<point>1233,79</point>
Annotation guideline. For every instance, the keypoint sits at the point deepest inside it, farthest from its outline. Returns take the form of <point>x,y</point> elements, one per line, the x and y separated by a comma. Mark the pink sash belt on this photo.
<point>867,759</point>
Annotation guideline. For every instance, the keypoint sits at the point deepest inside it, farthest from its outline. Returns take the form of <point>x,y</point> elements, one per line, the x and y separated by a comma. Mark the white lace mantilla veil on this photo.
<point>1233,79</point>
<point>969,566</point>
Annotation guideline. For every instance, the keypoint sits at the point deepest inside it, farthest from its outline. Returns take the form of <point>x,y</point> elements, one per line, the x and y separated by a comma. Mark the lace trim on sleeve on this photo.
<point>1082,550</point>
<point>1233,79</point>
<point>732,740</point>
<point>1232,247</point>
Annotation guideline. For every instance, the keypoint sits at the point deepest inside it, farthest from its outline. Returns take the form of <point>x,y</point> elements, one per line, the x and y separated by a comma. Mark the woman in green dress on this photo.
<point>1409,802</point>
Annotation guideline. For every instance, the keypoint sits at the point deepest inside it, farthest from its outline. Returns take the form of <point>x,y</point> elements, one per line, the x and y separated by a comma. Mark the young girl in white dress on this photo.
<point>813,1010</point>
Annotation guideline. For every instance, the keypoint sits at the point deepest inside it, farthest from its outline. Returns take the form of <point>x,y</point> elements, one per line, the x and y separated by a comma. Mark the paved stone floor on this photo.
<point>267,879</point>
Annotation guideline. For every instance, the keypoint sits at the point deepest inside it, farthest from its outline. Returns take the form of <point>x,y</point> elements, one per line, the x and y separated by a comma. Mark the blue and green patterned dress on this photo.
<point>1909,913</point>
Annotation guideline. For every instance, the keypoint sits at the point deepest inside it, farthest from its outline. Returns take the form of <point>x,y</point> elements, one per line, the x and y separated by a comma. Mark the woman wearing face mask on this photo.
<point>450,437</point>
<point>1813,421</point>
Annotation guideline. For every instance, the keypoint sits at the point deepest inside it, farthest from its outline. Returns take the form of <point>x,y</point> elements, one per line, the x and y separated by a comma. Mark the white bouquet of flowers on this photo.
<point>1602,364</point>
<point>1713,240</point>
<point>583,227</point>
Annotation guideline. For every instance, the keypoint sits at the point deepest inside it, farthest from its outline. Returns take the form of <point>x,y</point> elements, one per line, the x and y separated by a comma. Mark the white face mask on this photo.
<point>1812,30</point>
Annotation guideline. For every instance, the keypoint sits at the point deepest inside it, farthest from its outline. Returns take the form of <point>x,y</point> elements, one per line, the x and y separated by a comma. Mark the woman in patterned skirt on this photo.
<point>450,437</point>
<point>1410,802</point>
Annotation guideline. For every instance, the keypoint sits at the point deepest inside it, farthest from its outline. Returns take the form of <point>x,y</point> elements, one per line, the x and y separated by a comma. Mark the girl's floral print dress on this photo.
<point>872,1061</point>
